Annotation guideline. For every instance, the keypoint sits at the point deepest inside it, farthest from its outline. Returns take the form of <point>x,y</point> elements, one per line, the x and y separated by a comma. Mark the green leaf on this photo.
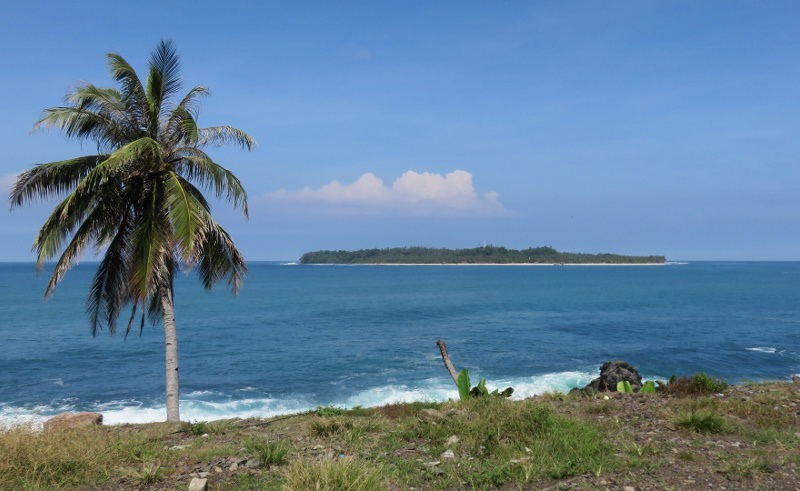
<point>649,387</point>
<point>463,385</point>
<point>625,387</point>
<point>482,388</point>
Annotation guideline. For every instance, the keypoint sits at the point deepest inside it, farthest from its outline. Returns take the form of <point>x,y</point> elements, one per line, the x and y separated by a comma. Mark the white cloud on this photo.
<point>411,193</point>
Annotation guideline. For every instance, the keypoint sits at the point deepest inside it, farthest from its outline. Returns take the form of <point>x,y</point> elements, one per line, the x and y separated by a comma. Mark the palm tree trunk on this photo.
<point>171,348</point>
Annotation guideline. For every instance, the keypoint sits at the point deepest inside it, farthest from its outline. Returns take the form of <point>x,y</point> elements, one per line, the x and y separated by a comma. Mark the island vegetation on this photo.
<point>478,255</point>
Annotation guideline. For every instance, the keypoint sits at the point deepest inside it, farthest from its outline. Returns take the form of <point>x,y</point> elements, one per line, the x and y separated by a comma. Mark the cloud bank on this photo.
<point>411,193</point>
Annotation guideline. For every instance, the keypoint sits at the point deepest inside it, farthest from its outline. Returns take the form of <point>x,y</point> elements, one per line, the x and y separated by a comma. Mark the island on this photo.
<point>478,255</point>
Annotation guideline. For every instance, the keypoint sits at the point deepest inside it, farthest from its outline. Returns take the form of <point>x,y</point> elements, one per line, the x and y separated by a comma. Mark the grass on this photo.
<point>494,432</point>
<point>335,475</point>
<point>149,473</point>
<point>29,459</point>
<point>270,453</point>
<point>701,420</point>
<point>498,444</point>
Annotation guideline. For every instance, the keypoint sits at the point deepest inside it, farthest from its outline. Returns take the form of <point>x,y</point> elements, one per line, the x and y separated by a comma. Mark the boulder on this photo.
<point>69,420</point>
<point>612,372</point>
<point>431,416</point>
<point>198,484</point>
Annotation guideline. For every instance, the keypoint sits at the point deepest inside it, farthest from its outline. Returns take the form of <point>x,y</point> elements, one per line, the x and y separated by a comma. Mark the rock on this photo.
<point>795,379</point>
<point>431,416</point>
<point>253,463</point>
<point>452,440</point>
<point>234,467</point>
<point>217,469</point>
<point>198,484</point>
<point>613,372</point>
<point>70,420</point>
<point>448,454</point>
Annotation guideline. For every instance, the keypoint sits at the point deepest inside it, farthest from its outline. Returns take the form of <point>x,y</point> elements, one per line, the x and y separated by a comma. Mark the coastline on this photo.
<point>745,439</point>
<point>484,264</point>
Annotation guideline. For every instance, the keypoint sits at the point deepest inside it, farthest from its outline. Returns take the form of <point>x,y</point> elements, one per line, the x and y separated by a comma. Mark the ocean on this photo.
<point>301,336</point>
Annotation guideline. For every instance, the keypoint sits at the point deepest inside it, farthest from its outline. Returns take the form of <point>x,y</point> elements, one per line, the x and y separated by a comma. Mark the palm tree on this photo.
<point>139,198</point>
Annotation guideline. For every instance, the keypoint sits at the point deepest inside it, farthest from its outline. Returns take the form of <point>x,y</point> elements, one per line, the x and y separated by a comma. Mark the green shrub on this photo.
<point>709,384</point>
<point>197,428</point>
<point>330,410</point>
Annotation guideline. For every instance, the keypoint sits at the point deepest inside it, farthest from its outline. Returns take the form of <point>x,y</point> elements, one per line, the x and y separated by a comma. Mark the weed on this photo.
<point>335,475</point>
<point>34,460</point>
<point>330,411</point>
<point>695,385</point>
<point>749,467</point>
<point>331,426</point>
<point>701,420</point>
<point>203,450</point>
<point>769,436</point>
<point>497,430</point>
<point>709,384</point>
<point>360,411</point>
<point>150,473</point>
<point>554,395</point>
<point>405,410</point>
<point>637,450</point>
<point>197,428</point>
<point>219,427</point>
<point>270,453</point>
<point>603,407</point>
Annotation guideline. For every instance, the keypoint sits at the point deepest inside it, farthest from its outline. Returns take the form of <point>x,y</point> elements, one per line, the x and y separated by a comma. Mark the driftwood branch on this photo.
<point>446,360</point>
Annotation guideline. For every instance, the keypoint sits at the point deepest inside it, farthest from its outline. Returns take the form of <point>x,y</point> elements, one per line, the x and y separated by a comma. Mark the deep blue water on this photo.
<point>298,337</point>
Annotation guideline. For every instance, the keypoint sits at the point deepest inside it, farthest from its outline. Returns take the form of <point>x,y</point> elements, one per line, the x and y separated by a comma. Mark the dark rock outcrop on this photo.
<point>612,372</point>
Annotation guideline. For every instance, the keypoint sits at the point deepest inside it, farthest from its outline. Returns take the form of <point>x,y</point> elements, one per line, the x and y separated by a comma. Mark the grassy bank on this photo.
<point>744,437</point>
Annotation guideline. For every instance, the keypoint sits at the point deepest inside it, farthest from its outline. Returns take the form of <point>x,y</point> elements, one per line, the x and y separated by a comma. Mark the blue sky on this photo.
<point>633,127</point>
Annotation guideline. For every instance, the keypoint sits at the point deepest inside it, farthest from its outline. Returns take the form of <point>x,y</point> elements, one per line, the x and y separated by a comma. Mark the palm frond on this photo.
<point>219,258</point>
<point>163,81</point>
<point>185,214</point>
<point>197,166</point>
<point>111,104</point>
<point>150,243</point>
<point>224,135</point>
<point>133,93</point>
<point>109,289</point>
<point>46,181</point>
<point>87,234</point>
<point>79,124</point>
<point>125,161</point>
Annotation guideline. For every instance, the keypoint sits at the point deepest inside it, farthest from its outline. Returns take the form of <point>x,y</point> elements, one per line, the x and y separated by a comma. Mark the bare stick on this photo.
<point>446,360</point>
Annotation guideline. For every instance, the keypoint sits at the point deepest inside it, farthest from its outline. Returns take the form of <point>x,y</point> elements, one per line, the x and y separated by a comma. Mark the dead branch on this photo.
<point>446,360</point>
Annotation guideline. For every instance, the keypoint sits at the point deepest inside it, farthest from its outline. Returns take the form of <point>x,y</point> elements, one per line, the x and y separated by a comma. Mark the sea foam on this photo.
<point>206,405</point>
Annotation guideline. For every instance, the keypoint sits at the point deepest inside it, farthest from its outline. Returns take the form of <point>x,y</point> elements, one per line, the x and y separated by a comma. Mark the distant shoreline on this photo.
<point>483,255</point>
<point>485,264</point>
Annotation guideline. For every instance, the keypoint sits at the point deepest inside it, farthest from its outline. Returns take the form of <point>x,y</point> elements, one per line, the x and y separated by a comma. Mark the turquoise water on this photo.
<point>302,336</point>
